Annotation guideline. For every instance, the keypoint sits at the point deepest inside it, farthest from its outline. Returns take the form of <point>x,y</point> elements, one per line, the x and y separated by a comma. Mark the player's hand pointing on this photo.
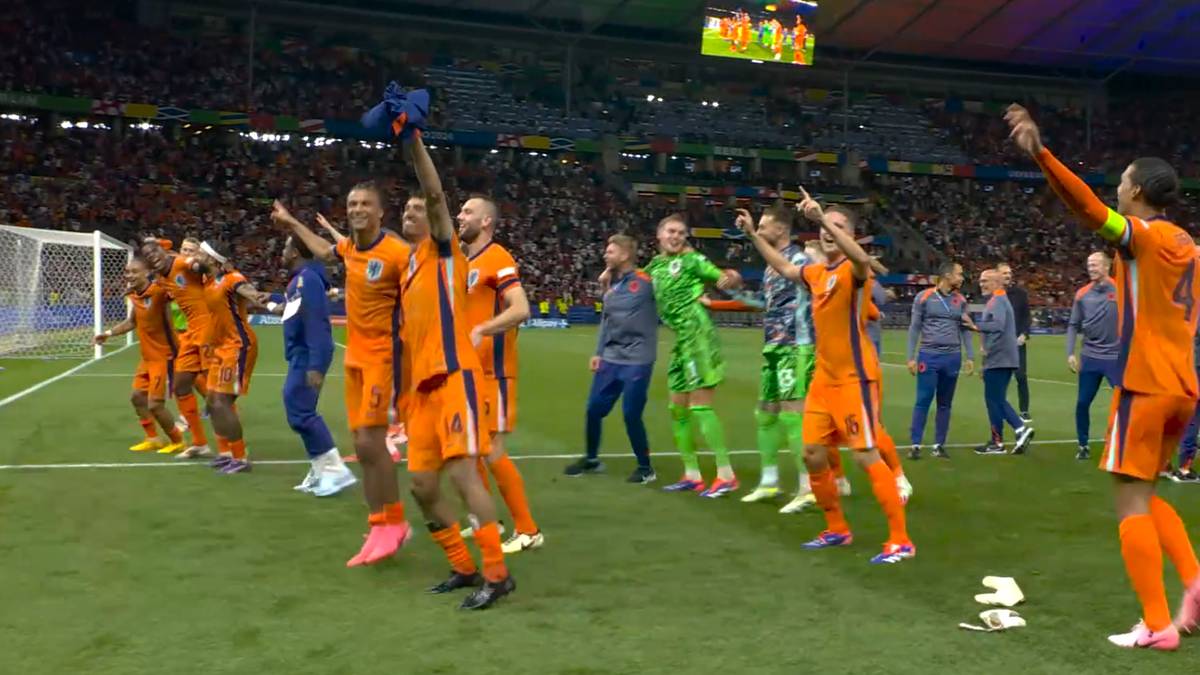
<point>1025,132</point>
<point>745,222</point>
<point>810,207</point>
<point>280,215</point>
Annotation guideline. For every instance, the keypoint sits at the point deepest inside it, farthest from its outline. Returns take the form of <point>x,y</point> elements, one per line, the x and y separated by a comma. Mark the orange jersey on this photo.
<point>228,326</point>
<point>152,317</point>
<point>435,328</point>
<point>1158,301</point>
<point>187,289</point>
<point>492,272</point>
<point>840,304</point>
<point>373,279</point>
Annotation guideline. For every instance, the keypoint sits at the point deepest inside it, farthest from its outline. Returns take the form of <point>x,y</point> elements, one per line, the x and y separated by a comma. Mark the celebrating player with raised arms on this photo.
<point>1157,289</point>
<point>375,267</point>
<point>680,275</point>
<point>843,406</point>
<point>149,316</point>
<point>447,419</point>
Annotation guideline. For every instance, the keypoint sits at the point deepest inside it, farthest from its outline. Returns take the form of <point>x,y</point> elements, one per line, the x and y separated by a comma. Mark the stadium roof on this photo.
<point>1099,37</point>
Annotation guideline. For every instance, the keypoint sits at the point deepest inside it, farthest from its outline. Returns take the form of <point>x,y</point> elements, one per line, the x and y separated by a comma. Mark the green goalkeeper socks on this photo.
<point>793,428</point>
<point>681,428</point>
<point>770,437</point>
<point>714,437</point>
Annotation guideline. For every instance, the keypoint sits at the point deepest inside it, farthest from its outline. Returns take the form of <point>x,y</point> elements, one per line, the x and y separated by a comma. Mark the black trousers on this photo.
<point>1022,383</point>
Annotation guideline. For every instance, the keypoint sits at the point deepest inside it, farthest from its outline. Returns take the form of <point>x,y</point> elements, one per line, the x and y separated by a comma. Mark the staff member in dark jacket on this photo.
<point>624,359</point>
<point>308,347</point>
<point>1094,316</point>
<point>997,328</point>
<point>1020,304</point>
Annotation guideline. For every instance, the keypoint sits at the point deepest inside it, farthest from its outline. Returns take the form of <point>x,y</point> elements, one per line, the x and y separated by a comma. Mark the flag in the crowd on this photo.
<point>105,107</point>
<point>170,112</point>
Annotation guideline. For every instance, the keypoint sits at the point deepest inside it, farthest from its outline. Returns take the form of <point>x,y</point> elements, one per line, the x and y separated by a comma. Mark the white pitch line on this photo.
<point>289,462</point>
<point>66,373</point>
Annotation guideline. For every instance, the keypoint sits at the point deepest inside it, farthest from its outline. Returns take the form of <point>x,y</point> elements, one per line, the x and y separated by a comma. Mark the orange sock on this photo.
<point>887,452</point>
<point>835,463</point>
<point>237,448</point>
<point>223,446</point>
<point>1143,562</point>
<point>487,538</point>
<point>883,483</point>
<point>825,490</point>
<point>393,513</point>
<point>148,427</point>
<point>452,543</point>
<point>1174,539</point>
<point>512,488</point>
<point>191,413</point>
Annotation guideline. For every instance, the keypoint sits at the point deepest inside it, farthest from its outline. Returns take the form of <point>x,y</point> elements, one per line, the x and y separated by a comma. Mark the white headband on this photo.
<point>212,252</point>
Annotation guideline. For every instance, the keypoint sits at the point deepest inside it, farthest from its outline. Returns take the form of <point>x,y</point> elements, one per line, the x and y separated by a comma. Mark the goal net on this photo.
<point>57,289</point>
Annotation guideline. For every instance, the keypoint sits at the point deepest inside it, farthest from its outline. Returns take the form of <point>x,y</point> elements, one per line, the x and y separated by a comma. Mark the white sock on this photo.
<point>770,476</point>
<point>805,484</point>
<point>725,472</point>
<point>693,474</point>
<point>331,461</point>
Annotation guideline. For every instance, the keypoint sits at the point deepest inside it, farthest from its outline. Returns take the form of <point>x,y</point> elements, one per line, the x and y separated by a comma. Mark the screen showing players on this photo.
<point>779,31</point>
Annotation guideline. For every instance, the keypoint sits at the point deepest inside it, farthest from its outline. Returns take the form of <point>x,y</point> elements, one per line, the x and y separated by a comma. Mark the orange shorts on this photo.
<point>370,392</point>
<point>444,421</point>
<point>193,356</point>
<point>1143,432</point>
<point>230,367</point>
<point>156,378</point>
<point>843,415</point>
<point>500,404</point>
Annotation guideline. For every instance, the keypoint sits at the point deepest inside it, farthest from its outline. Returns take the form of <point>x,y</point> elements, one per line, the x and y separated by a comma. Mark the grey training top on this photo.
<point>629,322</point>
<point>937,323</point>
<point>1094,312</point>
<point>879,299</point>
<point>998,326</point>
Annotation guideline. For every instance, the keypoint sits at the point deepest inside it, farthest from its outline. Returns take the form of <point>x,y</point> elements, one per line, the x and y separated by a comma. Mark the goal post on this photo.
<point>57,289</point>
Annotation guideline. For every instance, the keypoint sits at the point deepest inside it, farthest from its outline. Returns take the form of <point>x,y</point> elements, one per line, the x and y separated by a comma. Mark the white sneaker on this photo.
<point>800,503</point>
<point>522,542</point>
<point>762,493</point>
<point>196,452</point>
<point>844,489</point>
<point>309,482</point>
<point>469,531</point>
<point>905,489</point>
<point>331,482</point>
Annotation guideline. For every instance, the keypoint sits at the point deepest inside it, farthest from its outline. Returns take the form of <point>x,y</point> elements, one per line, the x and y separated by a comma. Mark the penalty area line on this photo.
<point>291,462</point>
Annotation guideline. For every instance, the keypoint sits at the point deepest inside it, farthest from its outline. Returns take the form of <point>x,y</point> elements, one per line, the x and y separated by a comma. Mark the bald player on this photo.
<point>496,307</point>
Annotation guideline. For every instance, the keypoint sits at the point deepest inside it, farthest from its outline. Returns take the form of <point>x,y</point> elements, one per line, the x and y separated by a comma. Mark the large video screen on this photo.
<point>779,31</point>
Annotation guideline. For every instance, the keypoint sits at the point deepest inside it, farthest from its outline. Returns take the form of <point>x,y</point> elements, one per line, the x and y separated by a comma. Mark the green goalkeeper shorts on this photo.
<point>695,361</point>
<point>787,371</point>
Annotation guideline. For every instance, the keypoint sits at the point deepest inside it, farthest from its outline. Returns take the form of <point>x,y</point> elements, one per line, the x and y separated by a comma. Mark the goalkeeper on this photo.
<point>680,275</point>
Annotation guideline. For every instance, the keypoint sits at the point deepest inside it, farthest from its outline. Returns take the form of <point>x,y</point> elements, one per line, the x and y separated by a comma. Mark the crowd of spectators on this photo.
<point>557,208</point>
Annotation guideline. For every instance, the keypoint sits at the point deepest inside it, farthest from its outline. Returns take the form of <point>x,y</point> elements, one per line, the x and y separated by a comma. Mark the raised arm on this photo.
<point>319,246</point>
<point>856,254</point>
<point>1095,215</point>
<point>769,253</point>
<point>328,227</point>
<point>441,228</point>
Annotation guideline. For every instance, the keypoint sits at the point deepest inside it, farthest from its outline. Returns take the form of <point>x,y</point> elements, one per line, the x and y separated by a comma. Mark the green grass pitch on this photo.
<point>149,567</point>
